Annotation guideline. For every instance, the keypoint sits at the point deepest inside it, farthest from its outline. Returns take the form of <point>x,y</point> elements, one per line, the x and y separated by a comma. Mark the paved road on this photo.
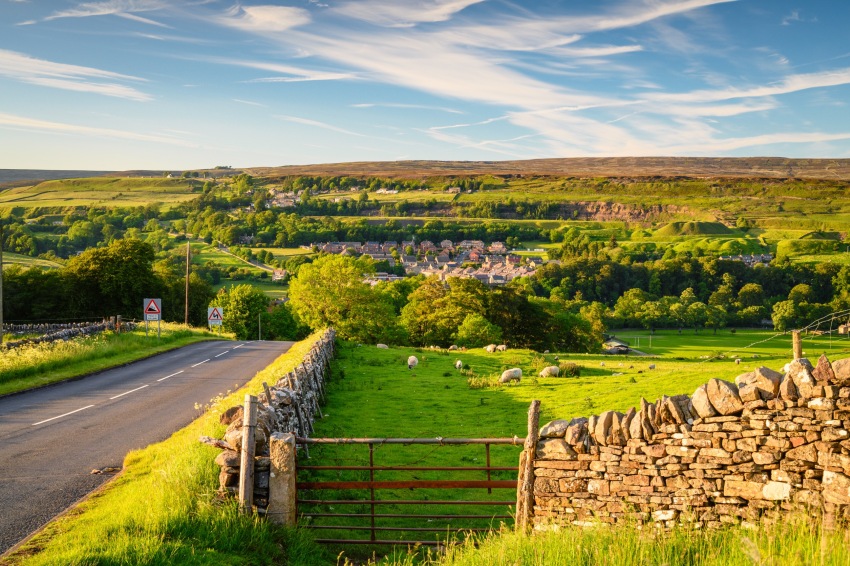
<point>52,438</point>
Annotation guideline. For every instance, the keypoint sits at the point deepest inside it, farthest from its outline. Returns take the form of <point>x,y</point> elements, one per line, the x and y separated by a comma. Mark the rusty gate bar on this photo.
<point>372,485</point>
<point>515,440</point>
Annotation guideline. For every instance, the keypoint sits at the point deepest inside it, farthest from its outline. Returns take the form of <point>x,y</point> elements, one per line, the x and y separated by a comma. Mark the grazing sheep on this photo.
<point>602,364</point>
<point>453,347</point>
<point>509,375</point>
<point>651,366</point>
<point>550,371</point>
<point>737,362</point>
<point>555,358</point>
<point>411,362</point>
<point>545,351</point>
<point>490,348</point>
<point>382,346</point>
<point>458,364</point>
<point>502,348</point>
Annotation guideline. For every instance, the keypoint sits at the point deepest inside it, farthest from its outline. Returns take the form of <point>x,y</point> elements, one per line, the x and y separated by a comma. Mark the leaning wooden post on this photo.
<point>797,343</point>
<point>525,482</point>
<point>246,465</point>
<point>282,489</point>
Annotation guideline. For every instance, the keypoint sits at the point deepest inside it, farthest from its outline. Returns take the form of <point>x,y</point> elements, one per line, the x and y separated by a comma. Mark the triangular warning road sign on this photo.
<point>215,314</point>
<point>152,307</point>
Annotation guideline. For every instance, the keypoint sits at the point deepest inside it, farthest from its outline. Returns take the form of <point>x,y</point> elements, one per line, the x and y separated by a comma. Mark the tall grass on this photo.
<point>796,541</point>
<point>164,509</point>
<point>35,365</point>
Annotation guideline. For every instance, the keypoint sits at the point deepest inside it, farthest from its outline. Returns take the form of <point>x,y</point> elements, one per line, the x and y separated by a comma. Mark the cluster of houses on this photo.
<point>493,264</point>
<point>750,260</point>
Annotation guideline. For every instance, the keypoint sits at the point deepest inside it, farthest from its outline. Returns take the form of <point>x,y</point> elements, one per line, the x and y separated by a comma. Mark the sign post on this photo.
<point>215,316</point>
<point>152,310</point>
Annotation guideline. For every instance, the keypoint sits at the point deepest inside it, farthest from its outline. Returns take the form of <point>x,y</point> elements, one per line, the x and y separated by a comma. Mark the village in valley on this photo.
<point>491,264</point>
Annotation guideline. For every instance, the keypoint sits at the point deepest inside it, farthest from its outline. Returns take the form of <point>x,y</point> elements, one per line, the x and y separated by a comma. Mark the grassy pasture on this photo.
<point>111,191</point>
<point>10,258</point>
<point>373,394</point>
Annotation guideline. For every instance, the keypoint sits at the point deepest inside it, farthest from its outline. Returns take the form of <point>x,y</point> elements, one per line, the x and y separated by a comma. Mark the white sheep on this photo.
<point>509,375</point>
<point>382,346</point>
<point>550,371</point>
<point>453,347</point>
<point>651,366</point>
<point>490,348</point>
<point>458,364</point>
<point>411,362</point>
<point>737,362</point>
<point>602,364</point>
<point>502,348</point>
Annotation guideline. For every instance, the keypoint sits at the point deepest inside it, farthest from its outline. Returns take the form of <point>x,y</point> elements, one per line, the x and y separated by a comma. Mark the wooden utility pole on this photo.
<point>186,317</point>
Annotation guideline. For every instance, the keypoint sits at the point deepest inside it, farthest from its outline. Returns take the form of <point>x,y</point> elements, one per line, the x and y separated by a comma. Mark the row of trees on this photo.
<point>420,311</point>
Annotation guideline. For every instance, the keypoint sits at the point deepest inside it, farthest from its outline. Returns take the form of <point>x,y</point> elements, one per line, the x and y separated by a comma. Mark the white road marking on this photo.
<point>199,363</point>
<point>65,415</point>
<point>172,375</point>
<point>127,392</point>
<point>221,354</point>
<point>239,346</point>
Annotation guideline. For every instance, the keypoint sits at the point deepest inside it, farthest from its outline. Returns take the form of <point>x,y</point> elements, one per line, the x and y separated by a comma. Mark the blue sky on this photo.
<point>157,84</point>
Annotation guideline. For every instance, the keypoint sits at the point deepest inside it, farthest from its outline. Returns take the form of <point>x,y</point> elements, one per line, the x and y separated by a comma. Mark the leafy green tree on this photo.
<point>751,295</point>
<point>785,315</point>
<point>476,331</point>
<point>331,292</point>
<point>112,280</point>
<point>243,306</point>
<point>801,293</point>
<point>282,324</point>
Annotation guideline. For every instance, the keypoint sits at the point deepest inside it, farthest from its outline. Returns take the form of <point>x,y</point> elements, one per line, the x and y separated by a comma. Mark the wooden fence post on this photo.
<point>525,483</point>
<point>797,343</point>
<point>246,465</point>
<point>282,490</point>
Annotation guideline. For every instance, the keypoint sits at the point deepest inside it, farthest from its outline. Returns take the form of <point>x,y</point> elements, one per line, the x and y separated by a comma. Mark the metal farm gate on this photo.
<point>359,496</point>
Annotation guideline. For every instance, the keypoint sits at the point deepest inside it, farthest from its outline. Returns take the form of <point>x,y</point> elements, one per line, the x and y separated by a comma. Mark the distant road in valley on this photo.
<point>52,438</point>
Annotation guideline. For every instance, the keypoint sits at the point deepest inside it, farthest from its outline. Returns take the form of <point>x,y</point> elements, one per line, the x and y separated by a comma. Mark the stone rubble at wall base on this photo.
<point>768,444</point>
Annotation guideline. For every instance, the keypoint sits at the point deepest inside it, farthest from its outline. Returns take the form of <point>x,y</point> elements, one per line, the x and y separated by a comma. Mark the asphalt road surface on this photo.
<point>51,439</point>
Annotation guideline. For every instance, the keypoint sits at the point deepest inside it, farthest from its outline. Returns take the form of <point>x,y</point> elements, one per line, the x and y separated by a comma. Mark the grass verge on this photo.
<point>798,540</point>
<point>163,508</point>
<point>38,365</point>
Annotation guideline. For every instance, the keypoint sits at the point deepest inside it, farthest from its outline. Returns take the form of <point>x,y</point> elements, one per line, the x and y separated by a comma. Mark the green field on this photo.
<point>10,258</point>
<point>102,192</point>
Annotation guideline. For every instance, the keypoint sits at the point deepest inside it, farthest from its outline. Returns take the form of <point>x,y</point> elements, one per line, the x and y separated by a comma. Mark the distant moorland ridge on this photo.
<point>730,167</point>
<point>747,167</point>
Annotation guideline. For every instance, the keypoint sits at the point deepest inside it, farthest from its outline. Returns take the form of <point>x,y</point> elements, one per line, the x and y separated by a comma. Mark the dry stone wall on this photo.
<point>770,443</point>
<point>53,332</point>
<point>290,405</point>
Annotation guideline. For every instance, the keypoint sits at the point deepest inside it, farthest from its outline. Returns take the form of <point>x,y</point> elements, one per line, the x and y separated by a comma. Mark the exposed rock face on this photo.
<point>773,444</point>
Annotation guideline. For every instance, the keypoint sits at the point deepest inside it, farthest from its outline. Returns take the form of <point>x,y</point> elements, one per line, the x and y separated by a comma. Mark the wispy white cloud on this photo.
<point>32,124</point>
<point>405,106</point>
<point>402,13</point>
<point>317,124</point>
<point>249,103</point>
<point>24,68</point>
<point>265,18</point>
<point>122,8</point>
<point>791,83</point>
<point>291,73</point>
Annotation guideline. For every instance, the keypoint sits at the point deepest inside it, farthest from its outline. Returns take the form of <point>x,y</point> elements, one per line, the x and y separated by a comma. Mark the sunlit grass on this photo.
<point>36,365</point>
